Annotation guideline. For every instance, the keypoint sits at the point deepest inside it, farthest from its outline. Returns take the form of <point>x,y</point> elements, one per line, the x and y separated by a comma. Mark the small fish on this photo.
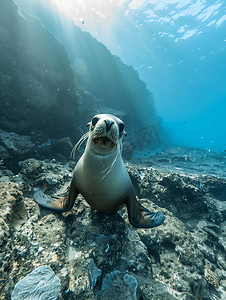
<point>81,20</point>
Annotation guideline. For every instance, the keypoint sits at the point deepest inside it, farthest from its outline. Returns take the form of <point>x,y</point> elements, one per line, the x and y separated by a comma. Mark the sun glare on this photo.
<point>87,11</point>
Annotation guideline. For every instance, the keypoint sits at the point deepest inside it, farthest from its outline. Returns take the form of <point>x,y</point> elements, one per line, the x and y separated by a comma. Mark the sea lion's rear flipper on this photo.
<point>141,217</point>
<point>60,205</point>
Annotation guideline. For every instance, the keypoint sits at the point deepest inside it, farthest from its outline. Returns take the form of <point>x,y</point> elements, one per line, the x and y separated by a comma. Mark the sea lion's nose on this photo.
<point>108,124</point>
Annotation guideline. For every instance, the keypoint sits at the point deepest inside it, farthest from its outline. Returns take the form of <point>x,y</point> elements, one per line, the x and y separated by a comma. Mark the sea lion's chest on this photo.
<point>100,191</point>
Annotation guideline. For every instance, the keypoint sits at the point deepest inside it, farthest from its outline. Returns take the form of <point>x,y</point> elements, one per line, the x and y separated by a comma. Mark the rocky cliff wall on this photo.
<point>96,69</point>
<point>50,89</point>
<point>36,80</point>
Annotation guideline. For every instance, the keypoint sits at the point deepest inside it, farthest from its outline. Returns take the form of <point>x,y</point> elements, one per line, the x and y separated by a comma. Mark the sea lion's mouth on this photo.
<point>103,141</point>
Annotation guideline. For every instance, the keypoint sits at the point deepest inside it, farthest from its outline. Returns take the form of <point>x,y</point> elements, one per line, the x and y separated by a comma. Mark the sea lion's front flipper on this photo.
<point>141,217</point>
<point>60,205</point>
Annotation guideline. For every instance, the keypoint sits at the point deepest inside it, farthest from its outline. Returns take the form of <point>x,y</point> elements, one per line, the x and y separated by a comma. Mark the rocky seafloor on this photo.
<point>101,256</point>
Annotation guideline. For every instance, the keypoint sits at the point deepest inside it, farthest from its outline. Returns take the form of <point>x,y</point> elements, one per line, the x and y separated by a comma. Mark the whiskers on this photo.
<point>78,145</point>
<point>110,168</point>
<point>112,165</point>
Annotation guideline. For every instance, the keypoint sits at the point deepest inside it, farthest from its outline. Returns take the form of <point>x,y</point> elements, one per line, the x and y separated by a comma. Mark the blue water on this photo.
<point>179,50</point>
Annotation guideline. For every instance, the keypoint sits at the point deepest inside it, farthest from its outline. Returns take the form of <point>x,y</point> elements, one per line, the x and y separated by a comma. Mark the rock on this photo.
<point>3,153</point>
<point>11,196</point>
<point>64,146</point>
<point>17,145</point>
<point>132,283</point>
<point>108,279</point>
<point>44,145</point>
<point>210,277</point>
<point>156,289</point>
<point>31,167</point>
<point>179,194</point>
<point>127,151</point>
<point>101,256</point>
<point>51,181</point>
<point>5,174</point>
<point>41,283</point>
<point>94,273</point>
<point>119,289</point>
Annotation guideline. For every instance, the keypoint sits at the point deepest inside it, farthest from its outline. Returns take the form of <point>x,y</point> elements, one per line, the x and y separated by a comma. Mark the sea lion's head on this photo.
<point>106,131</point>
<point>104,135</point>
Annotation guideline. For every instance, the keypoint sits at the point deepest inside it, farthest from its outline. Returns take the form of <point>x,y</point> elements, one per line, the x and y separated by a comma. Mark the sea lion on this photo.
<point>101,176</point>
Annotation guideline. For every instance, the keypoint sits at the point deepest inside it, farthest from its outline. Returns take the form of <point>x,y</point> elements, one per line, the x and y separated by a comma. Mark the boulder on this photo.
<point>64,146</point>
<point>17,145</point>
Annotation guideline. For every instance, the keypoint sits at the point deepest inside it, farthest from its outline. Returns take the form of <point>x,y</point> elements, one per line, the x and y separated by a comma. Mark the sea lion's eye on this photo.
<point>121,127</point>
<point>94,121</point>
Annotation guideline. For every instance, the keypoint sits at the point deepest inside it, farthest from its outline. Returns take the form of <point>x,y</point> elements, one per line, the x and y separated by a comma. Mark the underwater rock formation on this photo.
<point>19,146</point>
<point>101,256</point>
<point>97,70</point>
<point>42,93</point>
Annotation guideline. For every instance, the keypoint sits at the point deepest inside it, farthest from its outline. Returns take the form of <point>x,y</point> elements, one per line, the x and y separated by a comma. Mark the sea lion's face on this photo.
<point>106,130</point>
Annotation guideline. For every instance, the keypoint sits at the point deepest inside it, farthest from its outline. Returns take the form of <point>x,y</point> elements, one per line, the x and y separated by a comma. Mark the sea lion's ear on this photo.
<point>125,134</point>
<point>88,124</point>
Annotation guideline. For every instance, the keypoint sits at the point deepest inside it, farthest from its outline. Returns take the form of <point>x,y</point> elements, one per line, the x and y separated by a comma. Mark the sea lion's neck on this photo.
<point>100,159</point>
